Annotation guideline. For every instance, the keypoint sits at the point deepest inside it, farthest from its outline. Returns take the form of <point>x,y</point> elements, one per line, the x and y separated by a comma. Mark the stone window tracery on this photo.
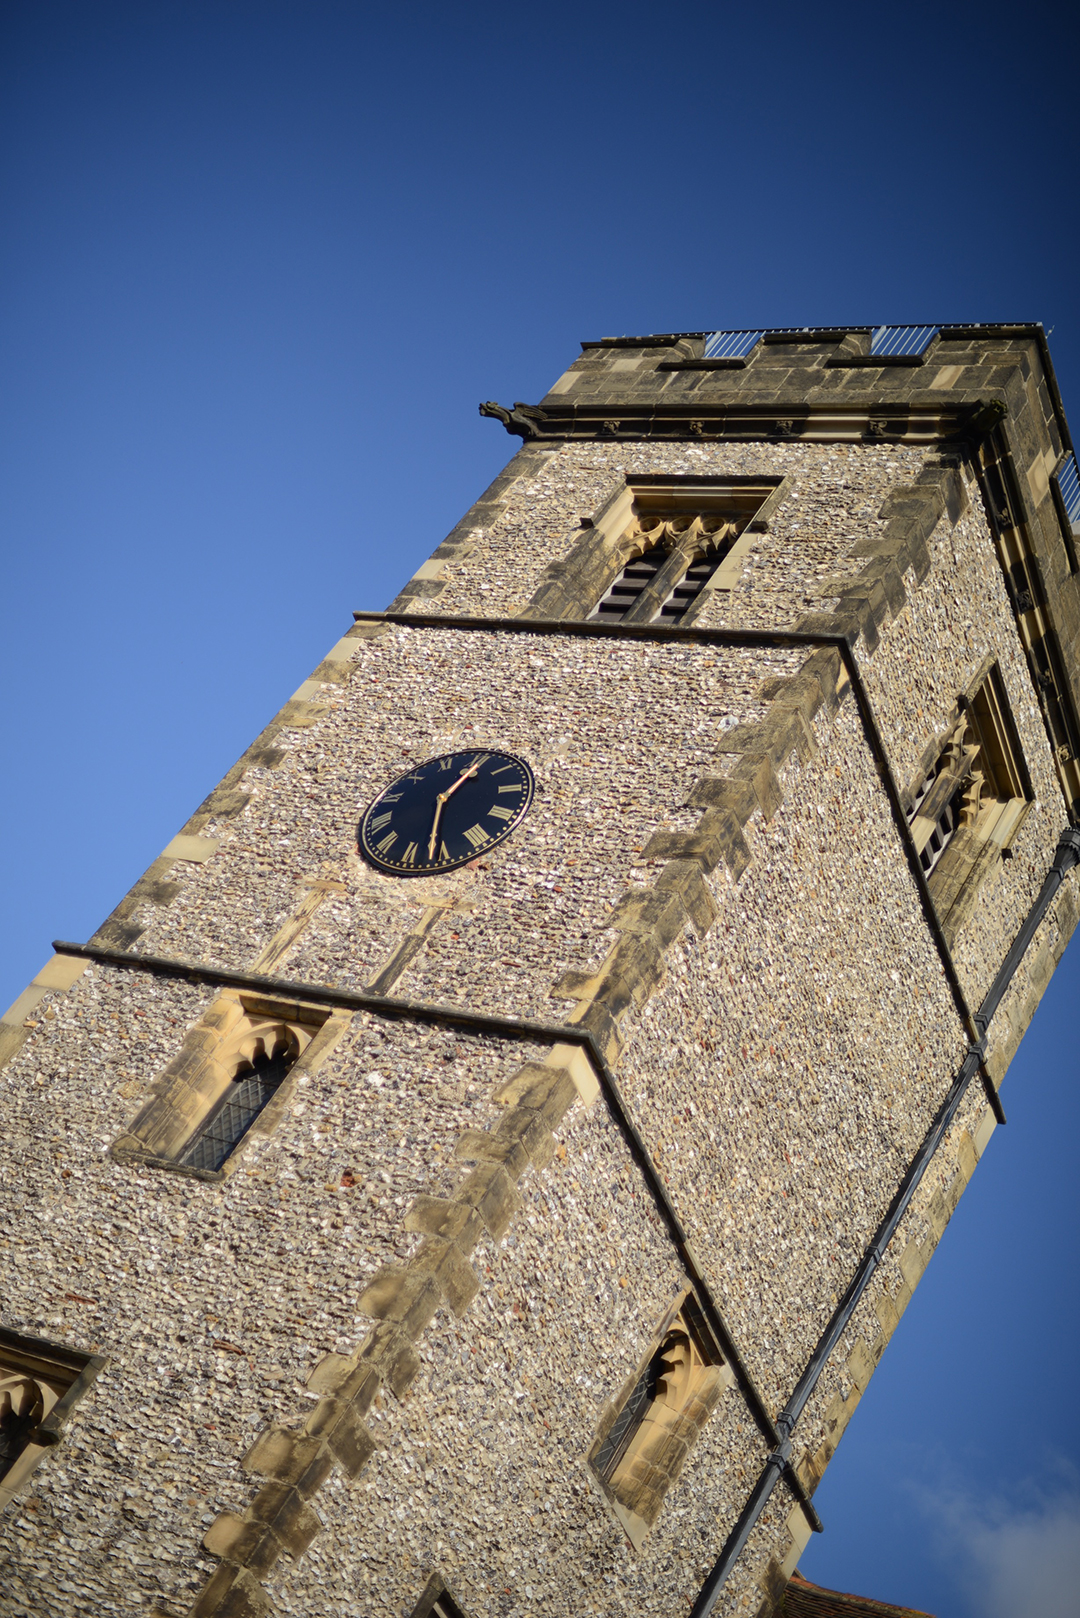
<point>969,799</point>
<point>671,561</point>
<point>40,1383</point>
<point>229,1081</point>
<point>646,1436</point>
<point>655,550</point>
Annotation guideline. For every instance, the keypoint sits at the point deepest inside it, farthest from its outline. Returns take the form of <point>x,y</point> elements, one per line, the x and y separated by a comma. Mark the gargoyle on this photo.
<point>524,420</point>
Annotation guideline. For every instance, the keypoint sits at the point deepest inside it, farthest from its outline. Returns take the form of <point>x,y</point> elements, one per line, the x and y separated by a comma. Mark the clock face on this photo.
<point>445,812</point>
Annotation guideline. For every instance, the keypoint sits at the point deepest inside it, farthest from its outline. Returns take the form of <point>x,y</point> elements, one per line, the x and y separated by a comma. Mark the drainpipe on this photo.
<point>1066,858</point>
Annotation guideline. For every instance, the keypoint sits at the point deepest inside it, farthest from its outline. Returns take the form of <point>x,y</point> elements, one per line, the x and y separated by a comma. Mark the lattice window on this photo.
<point>645,1440</point>
<point>40,1383</point>
<point>229,1079</point>
<point>252,1087</point>
<point>969,801</point>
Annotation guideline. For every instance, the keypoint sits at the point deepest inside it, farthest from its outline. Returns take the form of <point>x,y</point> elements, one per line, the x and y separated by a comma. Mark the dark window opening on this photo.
<point>238,1108</point>
<point>689,587</point>
<point>632,581</point>
<point>22,1407</point>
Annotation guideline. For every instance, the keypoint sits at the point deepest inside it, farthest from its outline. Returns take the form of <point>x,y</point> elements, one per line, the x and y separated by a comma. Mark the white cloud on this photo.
<point>1014,1562</point>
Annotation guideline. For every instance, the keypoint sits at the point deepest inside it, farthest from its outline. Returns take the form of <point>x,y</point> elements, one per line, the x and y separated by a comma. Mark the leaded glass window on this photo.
<point>238,1108</point>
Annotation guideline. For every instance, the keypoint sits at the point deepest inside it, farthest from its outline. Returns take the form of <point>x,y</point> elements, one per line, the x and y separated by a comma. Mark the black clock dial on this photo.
<point>445,812</point>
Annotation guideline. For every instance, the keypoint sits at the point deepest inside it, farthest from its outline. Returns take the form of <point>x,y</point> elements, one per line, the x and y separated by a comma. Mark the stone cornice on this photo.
<point>828,422</point>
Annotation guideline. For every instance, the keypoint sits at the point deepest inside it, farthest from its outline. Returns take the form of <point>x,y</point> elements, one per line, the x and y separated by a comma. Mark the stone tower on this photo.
<point>501,1215</point>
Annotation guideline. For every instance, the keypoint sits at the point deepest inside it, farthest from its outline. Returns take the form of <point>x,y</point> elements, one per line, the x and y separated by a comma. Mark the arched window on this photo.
<point>230,1073</point>
<point>644,1441</point>
<point>968,800</point>
<point>40,1384</point>
<point>253,1084</point>
<point>678,555</point>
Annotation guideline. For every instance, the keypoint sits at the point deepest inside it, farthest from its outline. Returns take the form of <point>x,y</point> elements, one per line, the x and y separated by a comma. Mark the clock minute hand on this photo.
<point>441,800</point>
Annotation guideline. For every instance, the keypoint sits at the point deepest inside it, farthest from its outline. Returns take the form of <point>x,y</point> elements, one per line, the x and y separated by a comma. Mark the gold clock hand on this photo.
<point>464,776</point>
<point>441,799</point>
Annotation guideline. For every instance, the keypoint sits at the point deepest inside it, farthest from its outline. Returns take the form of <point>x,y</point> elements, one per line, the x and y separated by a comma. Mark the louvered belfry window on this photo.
<point>238,1108</point>
<point>629,586</point>
<point>680,555</point>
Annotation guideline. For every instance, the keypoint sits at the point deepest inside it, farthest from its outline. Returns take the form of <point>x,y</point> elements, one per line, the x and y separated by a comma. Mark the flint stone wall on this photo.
<point>493,564</point>
<point>617,734</point>
<point>214,1302</point>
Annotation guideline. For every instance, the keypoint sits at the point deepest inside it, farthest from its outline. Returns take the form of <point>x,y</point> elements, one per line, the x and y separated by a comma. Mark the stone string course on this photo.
<point>384,1345</point>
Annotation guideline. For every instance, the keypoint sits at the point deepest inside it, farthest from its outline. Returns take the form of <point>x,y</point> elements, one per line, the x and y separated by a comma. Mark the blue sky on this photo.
<point>260,262</point>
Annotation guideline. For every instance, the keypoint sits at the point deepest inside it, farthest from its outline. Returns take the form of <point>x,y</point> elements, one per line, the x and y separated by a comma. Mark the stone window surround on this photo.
<point>988,767</point>
<point>61,1376</point>
<point>437,1601</point>
<point>187,1092</point>
<point>623,529</point>
<point>637,1477</point>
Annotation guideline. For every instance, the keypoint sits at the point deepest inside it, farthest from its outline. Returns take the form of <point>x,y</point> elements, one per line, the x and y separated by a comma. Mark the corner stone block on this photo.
<point>289,1516</point>
<point>231,1593</point>
<point>548,1091</point>
<point>887,1315</point>
<point>912,1264</point>
<point>966,1156</point>
<point>477,1146</point>
<point>604,1028</point>
<point>985,1128</point>
<point>348,1438</point>
<point>194,849</point>
<point>387,1350</point>
<point>456,1278</point>
<point>684,878</point>
<point>280,1454</point>
<point>800,1531</point>
<point>233,1537</point>
<point>407,1297</point>
<point>61,972</point>
<point>530,1129</point>
<point>455,1222</point>
<point>489,1190</point>
<point>860,1366</point>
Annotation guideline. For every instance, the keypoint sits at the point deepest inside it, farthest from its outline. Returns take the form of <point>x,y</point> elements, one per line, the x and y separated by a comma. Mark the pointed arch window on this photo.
<point>40,1384</point>
<point>646,1436</point>
<point>677,557</point>
<point>969,799</point>
<point>230,1081</point>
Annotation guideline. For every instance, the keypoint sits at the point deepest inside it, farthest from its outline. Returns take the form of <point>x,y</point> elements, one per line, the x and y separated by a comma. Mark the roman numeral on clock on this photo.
<point>477,836</point>
<point>499,813</point>
<point>382,820</point>
<point>387,843</point>
<point>409,856</point>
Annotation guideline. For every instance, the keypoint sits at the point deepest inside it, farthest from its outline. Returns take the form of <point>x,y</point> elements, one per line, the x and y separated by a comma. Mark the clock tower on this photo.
<point>477,1169</point>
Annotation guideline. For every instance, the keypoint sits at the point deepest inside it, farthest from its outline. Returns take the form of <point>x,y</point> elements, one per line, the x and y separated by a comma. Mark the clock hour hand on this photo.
<point>441,799</point>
